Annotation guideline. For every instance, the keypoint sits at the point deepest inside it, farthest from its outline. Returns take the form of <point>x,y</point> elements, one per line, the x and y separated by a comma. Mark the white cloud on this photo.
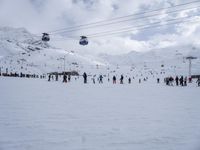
<point>45,15</point>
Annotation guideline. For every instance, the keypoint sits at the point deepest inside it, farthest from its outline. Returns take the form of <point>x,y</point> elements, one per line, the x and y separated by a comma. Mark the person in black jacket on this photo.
<point>85,77</point>
<point>158,80</point>
<point>129,80</point>
<point>100,79</point>
<point>64,78</point>
<point>181,81</point>
<point>176,79</point>
<point>121,79</point>
<point>114,79</point>
<point>49,77</point>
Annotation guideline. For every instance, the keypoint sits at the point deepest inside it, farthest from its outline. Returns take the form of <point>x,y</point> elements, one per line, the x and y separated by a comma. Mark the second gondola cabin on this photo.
<point>83,41</point>
<point>45,37</point>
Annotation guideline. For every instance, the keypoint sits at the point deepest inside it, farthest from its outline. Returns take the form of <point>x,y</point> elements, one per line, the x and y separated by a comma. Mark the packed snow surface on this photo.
<point>40,115</point>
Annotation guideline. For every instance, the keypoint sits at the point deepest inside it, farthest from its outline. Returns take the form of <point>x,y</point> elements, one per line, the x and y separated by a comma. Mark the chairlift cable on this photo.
<point>127,20</point>
<point>117,18</point>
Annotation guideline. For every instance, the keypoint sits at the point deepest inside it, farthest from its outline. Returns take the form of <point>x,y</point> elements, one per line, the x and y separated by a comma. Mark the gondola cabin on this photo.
<point>83,41</point>
<point>45,37</point>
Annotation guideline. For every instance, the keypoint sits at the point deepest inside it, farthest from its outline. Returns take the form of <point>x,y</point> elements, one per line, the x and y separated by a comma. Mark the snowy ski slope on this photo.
<point>36,114</point>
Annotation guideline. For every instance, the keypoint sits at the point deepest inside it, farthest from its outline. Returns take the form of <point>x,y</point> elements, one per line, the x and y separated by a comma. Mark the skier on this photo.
<point>198,81</point>
<point>129,80</point>
<point>85,77</point>
<point>185,81</point>
<point>176,79</point>
<point>171,80</point>
<point>56,77</point>
<point>69,77</point>
<point>165,81</point>
<point>64,78</point>
<point>100,79</point>
<point>52,77</point>
<point>158,80</point>
<point>121,79</point>
<point>181,80</point>
<point>93,80</point>
<point>190,79</point>
<point>114,79</point>
<point>49,77</point>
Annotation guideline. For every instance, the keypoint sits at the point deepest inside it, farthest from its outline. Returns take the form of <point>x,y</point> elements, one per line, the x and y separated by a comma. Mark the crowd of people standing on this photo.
<point>169,81</point>
<point>179,81</point>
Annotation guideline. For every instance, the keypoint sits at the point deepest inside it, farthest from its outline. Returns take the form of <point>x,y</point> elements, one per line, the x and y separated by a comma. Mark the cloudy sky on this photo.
<point>118,29</point>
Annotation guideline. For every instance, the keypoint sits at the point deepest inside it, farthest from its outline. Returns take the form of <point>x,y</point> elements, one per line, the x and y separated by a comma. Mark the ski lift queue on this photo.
<point>83,41</point>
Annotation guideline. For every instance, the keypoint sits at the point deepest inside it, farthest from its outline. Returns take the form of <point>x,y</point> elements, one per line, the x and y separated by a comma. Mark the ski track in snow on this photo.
<point>40,115</point>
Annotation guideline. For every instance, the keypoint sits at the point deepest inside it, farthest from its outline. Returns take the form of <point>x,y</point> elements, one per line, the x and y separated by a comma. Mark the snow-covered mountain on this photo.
<point>21,51</point>
<point>170,58</point>
<point>157,55</point>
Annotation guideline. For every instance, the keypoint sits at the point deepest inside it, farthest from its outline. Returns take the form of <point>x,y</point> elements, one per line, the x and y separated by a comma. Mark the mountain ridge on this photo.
<point>21,51</point>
